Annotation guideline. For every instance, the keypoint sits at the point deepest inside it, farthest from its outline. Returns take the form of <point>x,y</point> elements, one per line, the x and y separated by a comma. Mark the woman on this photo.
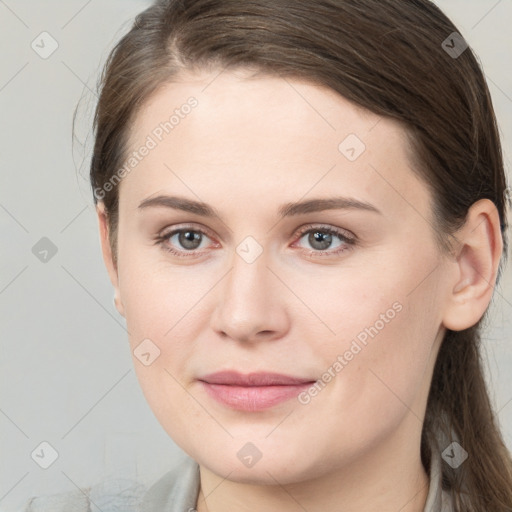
<point>302,208</point>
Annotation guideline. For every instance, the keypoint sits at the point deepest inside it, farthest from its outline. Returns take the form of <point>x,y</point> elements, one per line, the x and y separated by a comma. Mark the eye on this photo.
<point>322,238</point>
<point>188,240</point>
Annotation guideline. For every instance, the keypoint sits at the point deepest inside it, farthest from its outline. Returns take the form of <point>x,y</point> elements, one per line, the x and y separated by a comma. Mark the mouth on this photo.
<point>253,392</point>
<point>232,378</point>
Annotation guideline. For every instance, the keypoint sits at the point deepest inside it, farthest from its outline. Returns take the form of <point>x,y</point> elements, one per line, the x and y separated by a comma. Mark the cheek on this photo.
<point>165,317</point>
<point>380,357</point>
<point>158,298</point>
<point>163,322</point>
<point>171,403</point>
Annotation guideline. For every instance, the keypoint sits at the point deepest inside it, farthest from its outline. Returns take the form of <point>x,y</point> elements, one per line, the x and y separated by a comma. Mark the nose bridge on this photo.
<point>248,278</point>
<point>247,304</point>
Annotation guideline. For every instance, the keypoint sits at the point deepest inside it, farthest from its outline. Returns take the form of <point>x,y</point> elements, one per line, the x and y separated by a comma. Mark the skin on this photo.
<point>251,145</point>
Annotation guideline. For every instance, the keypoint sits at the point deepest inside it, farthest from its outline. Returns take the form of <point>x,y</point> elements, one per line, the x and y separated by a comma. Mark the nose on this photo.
<point>251,303</point>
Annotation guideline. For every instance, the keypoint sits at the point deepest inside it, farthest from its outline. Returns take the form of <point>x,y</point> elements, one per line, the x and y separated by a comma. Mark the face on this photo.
<point>344,295</point>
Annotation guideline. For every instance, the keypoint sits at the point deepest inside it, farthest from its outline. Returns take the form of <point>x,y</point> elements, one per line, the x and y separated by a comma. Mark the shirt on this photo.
<point>178,490</point>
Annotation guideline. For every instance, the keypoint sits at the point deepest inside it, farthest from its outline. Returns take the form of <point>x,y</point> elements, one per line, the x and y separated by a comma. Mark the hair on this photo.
<point>388,57</point>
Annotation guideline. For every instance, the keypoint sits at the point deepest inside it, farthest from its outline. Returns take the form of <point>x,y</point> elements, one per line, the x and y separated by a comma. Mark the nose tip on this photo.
<point>248,307</point>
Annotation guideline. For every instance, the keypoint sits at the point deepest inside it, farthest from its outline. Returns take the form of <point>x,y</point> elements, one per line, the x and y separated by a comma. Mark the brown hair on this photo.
<point>391,58</point>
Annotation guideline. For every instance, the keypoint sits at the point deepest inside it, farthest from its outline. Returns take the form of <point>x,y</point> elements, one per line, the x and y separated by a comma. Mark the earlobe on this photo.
<point>107,255</point>
<point>118,304</point>
<point>477,261</point>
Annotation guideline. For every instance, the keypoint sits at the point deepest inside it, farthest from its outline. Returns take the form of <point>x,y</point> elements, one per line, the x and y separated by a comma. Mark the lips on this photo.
<point>252,392</point>
<point>232,378</point>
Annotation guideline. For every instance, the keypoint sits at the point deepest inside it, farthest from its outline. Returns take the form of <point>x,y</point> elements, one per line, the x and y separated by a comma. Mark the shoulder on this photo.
<point>178,487</point>
<point>111,494</point>
<point>77,501</point>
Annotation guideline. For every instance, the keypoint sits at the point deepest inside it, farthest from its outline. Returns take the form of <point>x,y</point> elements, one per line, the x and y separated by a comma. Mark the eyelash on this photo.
<point>349,242</point>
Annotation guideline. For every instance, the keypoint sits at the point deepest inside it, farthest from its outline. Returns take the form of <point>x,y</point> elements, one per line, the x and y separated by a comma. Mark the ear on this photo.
<point>476,266</point>
<point>107,254</point>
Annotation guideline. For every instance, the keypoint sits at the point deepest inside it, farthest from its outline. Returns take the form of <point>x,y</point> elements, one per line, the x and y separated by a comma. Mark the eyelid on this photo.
<point>167,232</point>
<point>344,233</point>
<point>296,233</point>
<point>347,237</point>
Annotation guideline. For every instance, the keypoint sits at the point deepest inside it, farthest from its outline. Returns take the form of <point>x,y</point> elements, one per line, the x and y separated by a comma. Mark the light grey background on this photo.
<point>66,371</point>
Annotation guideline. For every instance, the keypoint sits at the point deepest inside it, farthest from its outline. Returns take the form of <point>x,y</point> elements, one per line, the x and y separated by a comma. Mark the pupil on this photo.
<point>323,238</point>
<point>189,239</point>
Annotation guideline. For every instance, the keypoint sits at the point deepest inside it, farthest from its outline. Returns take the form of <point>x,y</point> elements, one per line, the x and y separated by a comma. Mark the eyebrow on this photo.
<point>286,210</point>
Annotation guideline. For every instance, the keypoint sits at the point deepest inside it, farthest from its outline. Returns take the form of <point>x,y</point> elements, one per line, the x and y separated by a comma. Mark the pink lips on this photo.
<point>252,392</point>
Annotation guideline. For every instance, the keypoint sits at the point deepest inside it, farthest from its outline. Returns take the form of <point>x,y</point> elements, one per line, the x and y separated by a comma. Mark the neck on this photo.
<point>388,477</point>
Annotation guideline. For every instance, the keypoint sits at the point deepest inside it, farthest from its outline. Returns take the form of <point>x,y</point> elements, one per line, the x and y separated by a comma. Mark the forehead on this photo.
<point>223,134</point>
